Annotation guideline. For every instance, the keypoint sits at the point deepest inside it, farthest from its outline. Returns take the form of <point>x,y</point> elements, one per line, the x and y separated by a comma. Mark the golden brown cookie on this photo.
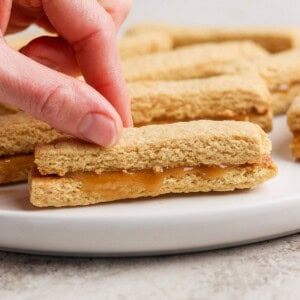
<point>169,145</point>
<point>19,134</point>
<point>199,156</point>
<point>142,44</point>
<point>272,39</point>
<point>242,97</point>
<point>281,73</point>
<point>190,62</point>
<point>90,188</point>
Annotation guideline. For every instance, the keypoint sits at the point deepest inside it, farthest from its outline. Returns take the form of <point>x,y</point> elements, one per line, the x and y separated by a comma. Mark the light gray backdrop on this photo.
<point>218,12</point>
<point>215,12</point>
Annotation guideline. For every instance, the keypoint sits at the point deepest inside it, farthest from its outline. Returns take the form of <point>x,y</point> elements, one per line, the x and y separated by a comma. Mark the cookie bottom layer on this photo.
<point>295,145</point>
<point>90,188</point>
<point>15,168</point>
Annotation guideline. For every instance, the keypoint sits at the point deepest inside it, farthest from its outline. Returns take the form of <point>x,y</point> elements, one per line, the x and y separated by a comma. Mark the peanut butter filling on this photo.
<point>109,184</point>
<point>150,180</point>
<point>135,183</point>
<point>15,168</point>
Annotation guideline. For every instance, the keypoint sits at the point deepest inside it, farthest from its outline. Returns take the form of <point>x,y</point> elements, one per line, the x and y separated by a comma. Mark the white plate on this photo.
<point>162,225</point>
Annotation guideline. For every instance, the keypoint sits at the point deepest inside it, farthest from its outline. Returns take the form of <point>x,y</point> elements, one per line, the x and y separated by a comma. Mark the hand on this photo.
<point>37,79</point>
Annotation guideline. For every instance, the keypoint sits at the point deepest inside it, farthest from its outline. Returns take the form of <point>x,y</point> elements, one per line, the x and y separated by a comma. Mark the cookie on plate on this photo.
<point>186,157</point>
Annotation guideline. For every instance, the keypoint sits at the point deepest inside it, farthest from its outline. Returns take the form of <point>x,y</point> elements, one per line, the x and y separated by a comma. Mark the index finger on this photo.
<point>91,31</point>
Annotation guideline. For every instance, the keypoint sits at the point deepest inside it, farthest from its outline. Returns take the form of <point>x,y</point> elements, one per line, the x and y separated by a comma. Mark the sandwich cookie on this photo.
<point>282,75</point>
<point>242,97</point>
<point>280,71</point>
<point>19,134</point>
<point>197,156</point>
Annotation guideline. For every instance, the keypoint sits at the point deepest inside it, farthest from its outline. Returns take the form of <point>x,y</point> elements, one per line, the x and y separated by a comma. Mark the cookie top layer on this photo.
<point>221,96</point>
<point>171,145</point>
<point>189,62</point>
<point>20,133</point>
<point>272,39</point>
<point>142,44</point>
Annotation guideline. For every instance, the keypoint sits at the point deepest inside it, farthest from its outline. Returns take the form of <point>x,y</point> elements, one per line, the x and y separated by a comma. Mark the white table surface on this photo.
<point>269,270</point>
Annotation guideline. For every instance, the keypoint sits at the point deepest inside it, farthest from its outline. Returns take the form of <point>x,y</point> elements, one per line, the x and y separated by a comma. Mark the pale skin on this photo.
<point>38,79</point>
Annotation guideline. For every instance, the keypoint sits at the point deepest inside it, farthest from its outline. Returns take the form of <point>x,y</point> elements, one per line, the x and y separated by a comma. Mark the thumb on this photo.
<point>62,101</point>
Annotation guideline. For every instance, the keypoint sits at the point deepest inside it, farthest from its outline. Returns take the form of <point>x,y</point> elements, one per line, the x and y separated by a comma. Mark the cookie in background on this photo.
<point>293,120</point>
<point>274,39</point>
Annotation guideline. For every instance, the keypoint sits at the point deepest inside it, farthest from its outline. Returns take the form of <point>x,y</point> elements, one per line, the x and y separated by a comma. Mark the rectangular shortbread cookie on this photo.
<point>169,145</point>
<point>190,62</point>
<point>272,39</point>
<point>281,73</point>
<point>19,134</point>
<point>242,97</point>
<point>199,156</point>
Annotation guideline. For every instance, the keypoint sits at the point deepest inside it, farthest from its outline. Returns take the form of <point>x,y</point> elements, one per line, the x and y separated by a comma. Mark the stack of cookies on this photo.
<point>202,100</point>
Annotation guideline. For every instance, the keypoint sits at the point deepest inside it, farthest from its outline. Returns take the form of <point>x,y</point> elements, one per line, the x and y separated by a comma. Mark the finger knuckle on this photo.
<point>54,103</point>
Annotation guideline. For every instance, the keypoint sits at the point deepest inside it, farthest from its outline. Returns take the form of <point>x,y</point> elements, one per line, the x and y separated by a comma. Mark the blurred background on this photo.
<point>214,12</point>
<point>217,12</point>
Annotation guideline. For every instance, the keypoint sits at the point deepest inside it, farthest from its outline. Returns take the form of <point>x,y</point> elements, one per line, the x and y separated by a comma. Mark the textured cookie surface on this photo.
<point>71,190</point>
<point>189,62</point>
<point>170,145</point>
<point>20,133</point>
<point>281,73</point>
<point>272,39</point>
<point>141,44</point>
<point>293,120</point>
<point>293,115</point>
<point>223,97</point>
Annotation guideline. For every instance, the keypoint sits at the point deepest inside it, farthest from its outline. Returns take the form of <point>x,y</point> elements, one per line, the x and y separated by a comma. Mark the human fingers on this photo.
<point>62,101</point>
<point>53,52</point>
<point>23,13</point>
<point>118,9</point>
<point>92,33</point>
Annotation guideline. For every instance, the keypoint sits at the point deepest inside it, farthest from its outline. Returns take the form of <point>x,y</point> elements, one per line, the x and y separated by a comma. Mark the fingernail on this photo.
<point>98,129</point>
